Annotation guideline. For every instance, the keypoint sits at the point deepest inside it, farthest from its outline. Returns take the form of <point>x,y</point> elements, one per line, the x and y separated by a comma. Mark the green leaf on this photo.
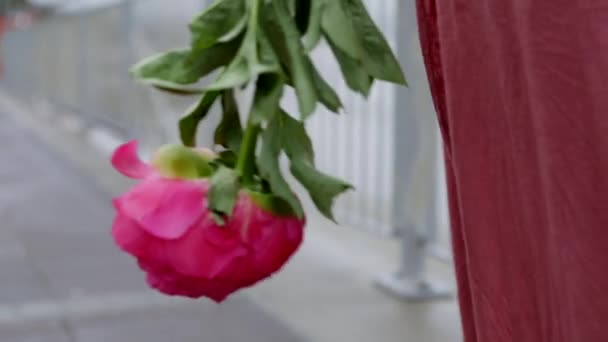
<point>267,57</point>
<point>215,56</point>
<point>248,64</point>
<point>301,72</point>
<point>378,59</point>
<point>352,70</point>
<point>338,28</point>
<point>236,74</point>
<point>302,14</point>
<point>296,142</point>
<point>313,32</point>
<point>229,132</point>
<point>271,203</point>
<point>235,32</point>
<point>269,168</point>
<point>215,22</point>
<point>177,89</point>
<point>227,158</point>
<point>322,188</point>
<point>307,73</point>
<point>291,7</point>
<point>327,95</point>
<point>268,93</point>
<point>169,71</point>
<point>176,68</point>
<point>189,123</point>
<point>223,192</point>
<point>274,35</point>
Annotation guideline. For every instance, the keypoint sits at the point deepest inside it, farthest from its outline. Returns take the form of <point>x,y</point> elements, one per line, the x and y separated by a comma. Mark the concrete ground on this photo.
<point>63,280</point>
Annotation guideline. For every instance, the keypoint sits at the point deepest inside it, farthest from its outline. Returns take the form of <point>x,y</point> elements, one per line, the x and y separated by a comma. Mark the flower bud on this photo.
<point>177,161</point>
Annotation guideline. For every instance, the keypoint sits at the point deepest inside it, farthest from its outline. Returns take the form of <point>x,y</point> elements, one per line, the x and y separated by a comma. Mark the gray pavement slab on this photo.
<point>61,277</point>
<point>47,331</point>
<point>50,335</point>
<point>211,323</point>
<point>20,283</point>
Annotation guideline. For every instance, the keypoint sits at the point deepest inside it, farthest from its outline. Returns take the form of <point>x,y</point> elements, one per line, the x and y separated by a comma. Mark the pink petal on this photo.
<point>127,162</point>
<point>165,208</point>
<point>273,240</point>
<point>167,281</point>
<point>194,255</point>
<point>277,244</point>
<point>231,235</point>
<point>135,241</point>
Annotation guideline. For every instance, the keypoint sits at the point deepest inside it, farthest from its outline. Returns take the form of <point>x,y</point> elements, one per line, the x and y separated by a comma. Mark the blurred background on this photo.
<point>66,101</point>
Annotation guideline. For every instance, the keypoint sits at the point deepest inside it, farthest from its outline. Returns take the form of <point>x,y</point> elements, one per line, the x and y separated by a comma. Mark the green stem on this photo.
<point>245,165</point>
<point>253,16</point>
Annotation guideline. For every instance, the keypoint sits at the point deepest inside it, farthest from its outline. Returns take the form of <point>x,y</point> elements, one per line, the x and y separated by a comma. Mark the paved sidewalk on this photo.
<point>61,278</point>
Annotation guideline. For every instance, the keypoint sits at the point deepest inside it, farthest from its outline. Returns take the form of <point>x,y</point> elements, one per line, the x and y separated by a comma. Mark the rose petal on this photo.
<point>165,224</point>
<point>194,255</point>
<point>167,281</point>
<point>231,234</point>
<point>127,162</point>
<point>165,208</point>
<point>135,241</point>
<point>276,244</point>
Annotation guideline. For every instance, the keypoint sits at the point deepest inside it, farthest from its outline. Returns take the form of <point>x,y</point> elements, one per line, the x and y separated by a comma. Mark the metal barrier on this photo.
<point>77,59</point>
<point>387,146</point>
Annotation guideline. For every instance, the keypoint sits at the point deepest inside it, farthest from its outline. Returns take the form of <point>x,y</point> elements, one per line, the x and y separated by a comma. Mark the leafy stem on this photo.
<point>268,43</point>
<point>245,165</point>
<point>254,16</point>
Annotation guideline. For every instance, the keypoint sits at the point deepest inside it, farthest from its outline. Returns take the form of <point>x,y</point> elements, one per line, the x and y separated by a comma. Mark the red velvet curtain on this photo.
<point>521,90</point>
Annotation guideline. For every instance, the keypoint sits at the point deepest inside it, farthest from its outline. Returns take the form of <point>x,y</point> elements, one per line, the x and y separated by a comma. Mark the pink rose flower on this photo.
<point>165,224</point>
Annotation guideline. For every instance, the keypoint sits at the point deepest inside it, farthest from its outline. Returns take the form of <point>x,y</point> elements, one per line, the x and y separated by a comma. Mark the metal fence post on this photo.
<point>128,27</point>
<point>415,163</point>
<point>128,22</point>
<point>83,80</point>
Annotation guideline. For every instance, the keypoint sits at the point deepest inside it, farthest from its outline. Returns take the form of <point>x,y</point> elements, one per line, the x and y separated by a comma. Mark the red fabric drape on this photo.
<point>521,90</point>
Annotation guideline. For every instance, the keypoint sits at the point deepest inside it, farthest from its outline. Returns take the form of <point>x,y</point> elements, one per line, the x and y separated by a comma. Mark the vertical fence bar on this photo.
<point>128,22</point>
<point>83,69</point>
